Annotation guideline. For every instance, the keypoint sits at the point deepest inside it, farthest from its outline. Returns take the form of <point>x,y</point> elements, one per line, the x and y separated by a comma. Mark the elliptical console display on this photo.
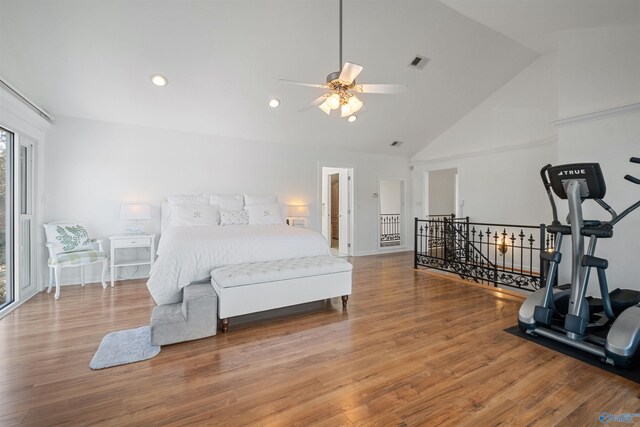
<point>609,326</point>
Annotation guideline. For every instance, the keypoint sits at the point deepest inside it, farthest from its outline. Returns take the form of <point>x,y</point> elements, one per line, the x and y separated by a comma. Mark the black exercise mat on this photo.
<point>632,374</point>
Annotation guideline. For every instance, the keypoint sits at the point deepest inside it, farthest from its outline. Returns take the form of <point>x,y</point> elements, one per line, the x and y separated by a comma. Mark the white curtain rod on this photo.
<point>15,92</point>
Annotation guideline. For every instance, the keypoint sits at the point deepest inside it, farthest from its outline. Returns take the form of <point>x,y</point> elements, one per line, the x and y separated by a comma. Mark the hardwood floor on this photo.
<point>412,348</point>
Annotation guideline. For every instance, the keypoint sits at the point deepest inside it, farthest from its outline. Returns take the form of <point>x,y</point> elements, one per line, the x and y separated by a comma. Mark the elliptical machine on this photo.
<point>608,327</point>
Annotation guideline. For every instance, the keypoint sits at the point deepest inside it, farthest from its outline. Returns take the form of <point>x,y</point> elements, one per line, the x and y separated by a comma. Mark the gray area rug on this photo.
<point>122,347</point>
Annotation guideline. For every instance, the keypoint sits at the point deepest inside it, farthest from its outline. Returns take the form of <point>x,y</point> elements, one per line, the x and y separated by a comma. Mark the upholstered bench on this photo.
<point>193,318</point>
<point>259,286</point>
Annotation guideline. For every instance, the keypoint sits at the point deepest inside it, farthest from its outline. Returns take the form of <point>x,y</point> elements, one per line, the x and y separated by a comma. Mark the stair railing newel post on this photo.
<point>415,243</point>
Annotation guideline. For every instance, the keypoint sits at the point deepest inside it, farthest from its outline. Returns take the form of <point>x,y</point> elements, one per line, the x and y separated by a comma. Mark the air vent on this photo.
<point>419,62</point>
<point>396,143</point>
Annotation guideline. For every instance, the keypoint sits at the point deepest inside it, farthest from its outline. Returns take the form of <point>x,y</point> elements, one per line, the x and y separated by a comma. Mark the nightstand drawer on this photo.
<point>132,242</point>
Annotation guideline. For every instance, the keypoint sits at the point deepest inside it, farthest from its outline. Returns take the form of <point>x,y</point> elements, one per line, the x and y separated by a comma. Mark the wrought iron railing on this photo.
<point>498,254</point>
<point>390,230</point>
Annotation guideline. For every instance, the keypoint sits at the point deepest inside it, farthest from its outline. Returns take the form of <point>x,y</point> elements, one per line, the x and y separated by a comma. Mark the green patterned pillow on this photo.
<point>68,237</point>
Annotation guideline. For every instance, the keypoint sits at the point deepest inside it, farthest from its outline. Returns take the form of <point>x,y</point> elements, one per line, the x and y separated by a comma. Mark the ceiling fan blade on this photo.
<point>319,100</point>
<point>349,72</point>
<point>380,88</point>
<point>293,82</point>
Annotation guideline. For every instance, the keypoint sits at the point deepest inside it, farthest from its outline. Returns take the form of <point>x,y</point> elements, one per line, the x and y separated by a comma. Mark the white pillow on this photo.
<point>194,215</point>
<point>237,217</point>
<point>259,199</point>
<point>227,202</point>
<point>188,199</point>
<point>264,214</point>
<point>68,238</point>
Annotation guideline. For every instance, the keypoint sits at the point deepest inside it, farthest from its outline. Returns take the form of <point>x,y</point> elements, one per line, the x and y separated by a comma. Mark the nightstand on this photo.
<point>128,241</point>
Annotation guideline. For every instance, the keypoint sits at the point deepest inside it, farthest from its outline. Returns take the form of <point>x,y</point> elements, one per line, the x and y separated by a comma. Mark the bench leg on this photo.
<point>345,298</point>
<point>224,324</point>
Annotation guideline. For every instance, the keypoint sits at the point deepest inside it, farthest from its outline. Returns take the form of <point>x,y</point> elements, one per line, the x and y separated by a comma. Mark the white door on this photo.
<point>26,246</point>
<point>344,245</point>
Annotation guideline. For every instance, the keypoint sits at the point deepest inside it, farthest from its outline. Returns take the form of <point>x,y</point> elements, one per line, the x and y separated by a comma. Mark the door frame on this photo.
<point>27,126</point>
<point>351,198</point>
<point>425,193</point>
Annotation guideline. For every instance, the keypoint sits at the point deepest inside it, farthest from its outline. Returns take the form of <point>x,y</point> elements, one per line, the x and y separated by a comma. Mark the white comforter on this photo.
<point>188,254</point>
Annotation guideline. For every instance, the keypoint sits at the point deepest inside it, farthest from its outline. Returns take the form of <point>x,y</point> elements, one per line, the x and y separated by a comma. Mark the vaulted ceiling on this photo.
<point>223,60</point>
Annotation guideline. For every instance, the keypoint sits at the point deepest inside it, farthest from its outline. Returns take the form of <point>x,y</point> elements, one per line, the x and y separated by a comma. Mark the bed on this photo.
<point>188,254</point>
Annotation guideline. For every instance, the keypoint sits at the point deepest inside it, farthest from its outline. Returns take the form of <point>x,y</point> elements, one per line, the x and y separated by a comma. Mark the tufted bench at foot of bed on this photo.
<point>193,318</point>
<point>259,286</point>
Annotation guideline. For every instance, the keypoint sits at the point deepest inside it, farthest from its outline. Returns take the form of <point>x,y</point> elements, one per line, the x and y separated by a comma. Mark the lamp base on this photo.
<point>298,222</point>
<point>135,229</point>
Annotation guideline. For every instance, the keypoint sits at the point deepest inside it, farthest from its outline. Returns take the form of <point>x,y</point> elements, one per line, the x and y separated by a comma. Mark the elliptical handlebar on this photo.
<point>632,179</point>
<point>547,187</point>
<point>636,205</point>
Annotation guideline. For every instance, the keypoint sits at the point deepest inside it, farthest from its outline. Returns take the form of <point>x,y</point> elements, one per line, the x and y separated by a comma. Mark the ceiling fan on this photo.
<point>342,87</point>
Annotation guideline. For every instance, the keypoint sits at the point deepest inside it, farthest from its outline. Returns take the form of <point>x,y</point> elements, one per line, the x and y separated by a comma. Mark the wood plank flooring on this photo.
<point>412,348</point>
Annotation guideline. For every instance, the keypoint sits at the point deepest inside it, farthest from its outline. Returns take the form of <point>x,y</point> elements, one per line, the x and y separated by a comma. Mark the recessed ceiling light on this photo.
<point>274,103</point>
<point>159,80</point>
<point>352,118</point>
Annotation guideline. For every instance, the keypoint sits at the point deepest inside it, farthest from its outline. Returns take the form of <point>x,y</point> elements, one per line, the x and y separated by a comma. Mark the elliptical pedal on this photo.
<point>621,299</point>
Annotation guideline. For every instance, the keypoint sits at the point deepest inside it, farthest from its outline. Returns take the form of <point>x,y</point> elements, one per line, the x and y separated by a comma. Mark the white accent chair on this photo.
<point>88,252</point>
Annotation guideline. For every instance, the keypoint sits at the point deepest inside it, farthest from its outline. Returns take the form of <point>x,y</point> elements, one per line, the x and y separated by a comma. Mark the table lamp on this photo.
<point>135,213</point>
<point>298,214</point>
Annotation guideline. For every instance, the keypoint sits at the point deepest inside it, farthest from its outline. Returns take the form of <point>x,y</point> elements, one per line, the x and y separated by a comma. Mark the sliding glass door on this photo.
<point>7,289</point>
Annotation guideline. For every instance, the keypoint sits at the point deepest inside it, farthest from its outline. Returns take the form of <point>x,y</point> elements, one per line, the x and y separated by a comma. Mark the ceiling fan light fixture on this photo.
<point>345,110</point>
<point>352,118</point>
<point>159,80</point>
<point>355,104</point>
<point>333,101</point>
<point>325,108</point>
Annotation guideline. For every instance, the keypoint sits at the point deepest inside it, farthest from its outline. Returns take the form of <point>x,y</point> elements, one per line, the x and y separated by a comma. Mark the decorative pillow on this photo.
<point>259,199</point>
<point>68,237</point>
<point>237,217</point>
<point>194,215</point>
<point>264,214</point>
<point>188,199</point>
<point>227,202</point>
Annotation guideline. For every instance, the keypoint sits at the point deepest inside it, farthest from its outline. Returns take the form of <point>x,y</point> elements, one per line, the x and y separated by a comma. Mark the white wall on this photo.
<point>599,70</point>
<point>498,149</point>
<point>92,167</point>
<point>442,192</point>
<point>390,196</point>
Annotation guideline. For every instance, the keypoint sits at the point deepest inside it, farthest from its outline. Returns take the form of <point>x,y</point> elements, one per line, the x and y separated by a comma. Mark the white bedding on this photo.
<point>188,254</point>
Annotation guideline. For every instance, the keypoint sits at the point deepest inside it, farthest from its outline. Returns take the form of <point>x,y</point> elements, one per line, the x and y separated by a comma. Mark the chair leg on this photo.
<point>57,278</point>
<point>82,275</point>
<point>104,271</point>
<point>51,279</point>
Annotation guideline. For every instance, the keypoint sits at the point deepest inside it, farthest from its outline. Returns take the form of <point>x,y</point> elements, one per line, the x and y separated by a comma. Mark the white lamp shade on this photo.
<point>299,211</point>
<point>135,212</point>
<point>325,107</point>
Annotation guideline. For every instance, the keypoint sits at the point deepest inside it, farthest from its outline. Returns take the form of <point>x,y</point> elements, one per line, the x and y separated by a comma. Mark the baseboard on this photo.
<point>383,252</point>
<point>97,278</point>
<point>392,249</point>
